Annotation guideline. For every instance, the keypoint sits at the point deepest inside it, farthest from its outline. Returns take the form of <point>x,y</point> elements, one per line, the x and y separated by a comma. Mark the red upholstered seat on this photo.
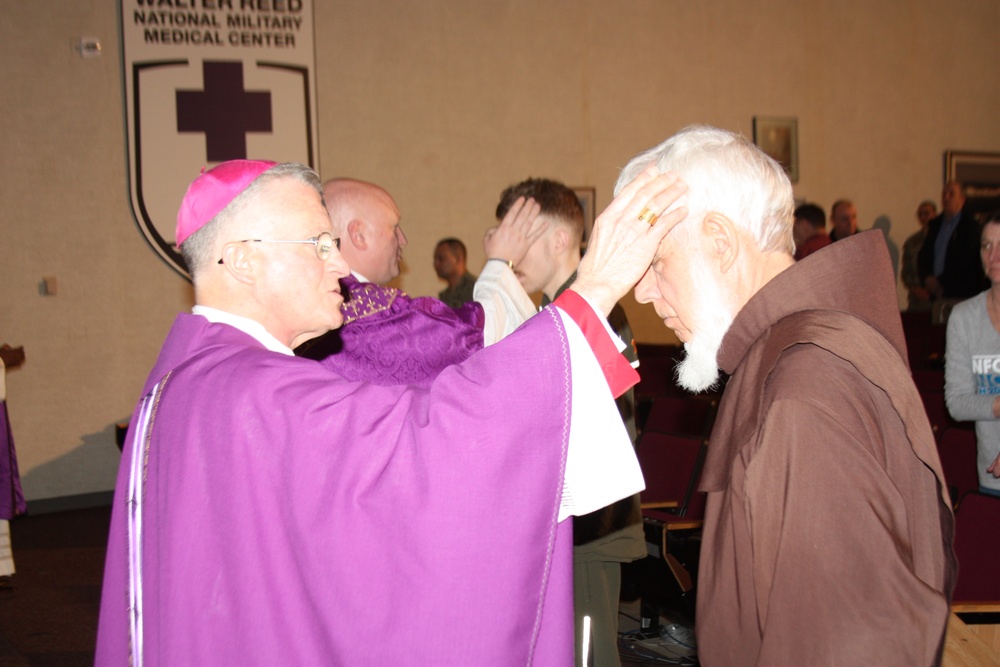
<point>670,465</point>
<point>685,415</point>
<point>957,450</point>
<point>937,412</point>
<point>977,546</point>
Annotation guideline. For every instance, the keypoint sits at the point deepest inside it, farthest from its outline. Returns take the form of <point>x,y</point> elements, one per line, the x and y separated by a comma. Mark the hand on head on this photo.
<point>624,240</point>
<point>520,228</point>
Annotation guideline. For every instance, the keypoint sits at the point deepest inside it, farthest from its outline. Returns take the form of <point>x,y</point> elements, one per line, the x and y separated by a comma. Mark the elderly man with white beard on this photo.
<point>827,536</point>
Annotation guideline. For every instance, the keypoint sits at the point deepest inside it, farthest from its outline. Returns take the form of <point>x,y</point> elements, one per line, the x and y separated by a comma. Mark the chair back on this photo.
<point>690,416</point>
<point>656,370</point>
<point>977,543</point>
<point>929,379</point>
<point>957,451</point>
<point>925,340</point>
<point>937,412</point>
<point>671,466</point>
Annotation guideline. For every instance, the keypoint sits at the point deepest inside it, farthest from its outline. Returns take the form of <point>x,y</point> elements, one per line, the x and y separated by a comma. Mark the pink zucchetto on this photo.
<point>213,190</point>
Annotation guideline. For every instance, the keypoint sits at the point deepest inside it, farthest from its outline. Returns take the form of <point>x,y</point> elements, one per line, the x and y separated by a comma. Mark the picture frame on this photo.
<point>779,139</point>
<point>979,172</point>
<point>587,194</point>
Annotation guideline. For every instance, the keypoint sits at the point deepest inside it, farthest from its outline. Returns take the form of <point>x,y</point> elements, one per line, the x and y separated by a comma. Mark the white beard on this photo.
<point>699,370</point>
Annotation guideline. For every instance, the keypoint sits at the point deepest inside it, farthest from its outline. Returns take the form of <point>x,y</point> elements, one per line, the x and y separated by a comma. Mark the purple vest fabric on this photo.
<point>293,518</point>
<point>11,497</point>
<point>390,338</point>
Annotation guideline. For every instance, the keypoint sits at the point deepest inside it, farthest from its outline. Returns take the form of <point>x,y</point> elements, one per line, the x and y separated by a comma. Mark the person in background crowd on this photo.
<point>918,296</point>
<point>949,262</point>
<point>843,219</point>
<point>972,362</point>
<point>809,230</point>
<point>449,265</point>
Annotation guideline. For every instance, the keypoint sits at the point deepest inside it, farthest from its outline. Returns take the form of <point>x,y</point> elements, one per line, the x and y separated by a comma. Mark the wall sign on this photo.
<point>208,81</point>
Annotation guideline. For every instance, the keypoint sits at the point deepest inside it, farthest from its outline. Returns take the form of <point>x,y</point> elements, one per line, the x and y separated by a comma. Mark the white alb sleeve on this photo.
<point>601,466</point>
<point>504,301</point>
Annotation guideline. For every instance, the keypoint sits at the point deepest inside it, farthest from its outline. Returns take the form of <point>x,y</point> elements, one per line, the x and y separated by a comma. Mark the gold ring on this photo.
<point>648,216</point>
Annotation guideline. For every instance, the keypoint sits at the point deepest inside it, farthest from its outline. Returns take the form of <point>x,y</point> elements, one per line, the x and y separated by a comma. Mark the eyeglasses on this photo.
<point>324,243</point>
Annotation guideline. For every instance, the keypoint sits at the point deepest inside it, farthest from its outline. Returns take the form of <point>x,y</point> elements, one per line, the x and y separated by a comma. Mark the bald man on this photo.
<point>389,337</point>
<point>367,220</point>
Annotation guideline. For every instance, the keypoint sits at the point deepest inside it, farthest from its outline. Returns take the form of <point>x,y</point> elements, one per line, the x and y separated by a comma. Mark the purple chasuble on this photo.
<point>11,497</point>
<point>391,338</point>
<point>268,512</point>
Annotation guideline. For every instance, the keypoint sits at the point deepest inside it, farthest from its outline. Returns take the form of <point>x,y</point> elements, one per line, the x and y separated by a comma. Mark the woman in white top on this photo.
<point>972,362</point>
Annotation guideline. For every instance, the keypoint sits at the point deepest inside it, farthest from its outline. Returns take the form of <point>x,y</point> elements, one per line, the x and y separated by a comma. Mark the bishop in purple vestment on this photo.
<point>269,512</point>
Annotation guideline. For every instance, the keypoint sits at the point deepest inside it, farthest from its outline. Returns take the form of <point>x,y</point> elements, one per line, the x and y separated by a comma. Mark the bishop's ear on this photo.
<point>237,258</point>
<point>721,239</point>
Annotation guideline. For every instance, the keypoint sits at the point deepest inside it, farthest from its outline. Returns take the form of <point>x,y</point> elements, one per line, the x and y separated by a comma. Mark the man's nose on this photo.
<point>336,263</point>
<point>645,288</point>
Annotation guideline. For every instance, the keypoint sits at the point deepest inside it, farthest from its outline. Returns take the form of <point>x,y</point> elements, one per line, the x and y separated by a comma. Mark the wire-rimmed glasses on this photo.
<point>324,244</point>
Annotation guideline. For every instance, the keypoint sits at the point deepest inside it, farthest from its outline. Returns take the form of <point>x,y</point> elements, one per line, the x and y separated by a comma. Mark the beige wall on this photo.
<point>445,103</point>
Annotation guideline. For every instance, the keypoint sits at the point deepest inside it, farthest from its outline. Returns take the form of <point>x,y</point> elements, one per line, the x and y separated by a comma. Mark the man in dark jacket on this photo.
<point>949,262</point>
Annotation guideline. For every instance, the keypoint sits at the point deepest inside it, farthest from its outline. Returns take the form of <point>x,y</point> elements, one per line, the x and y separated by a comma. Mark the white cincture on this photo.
<point>134,508</point>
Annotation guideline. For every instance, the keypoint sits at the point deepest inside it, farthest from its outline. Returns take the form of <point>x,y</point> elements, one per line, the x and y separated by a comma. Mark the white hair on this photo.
<point>727,174</point>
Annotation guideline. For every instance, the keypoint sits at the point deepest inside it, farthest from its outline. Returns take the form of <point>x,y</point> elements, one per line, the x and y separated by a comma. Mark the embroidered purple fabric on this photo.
<point>390,338</point>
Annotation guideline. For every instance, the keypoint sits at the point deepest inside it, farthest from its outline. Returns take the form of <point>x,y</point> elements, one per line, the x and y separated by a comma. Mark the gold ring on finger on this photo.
<point>648,216</point>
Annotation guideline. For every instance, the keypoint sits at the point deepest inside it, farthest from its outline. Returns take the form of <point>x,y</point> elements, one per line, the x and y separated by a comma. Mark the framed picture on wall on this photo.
<point>588,200</point>
<point>779,138</point>
<point>979,172</point>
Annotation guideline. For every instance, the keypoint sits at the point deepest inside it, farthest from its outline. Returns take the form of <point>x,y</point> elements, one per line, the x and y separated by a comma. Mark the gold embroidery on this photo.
<point>368,299</point>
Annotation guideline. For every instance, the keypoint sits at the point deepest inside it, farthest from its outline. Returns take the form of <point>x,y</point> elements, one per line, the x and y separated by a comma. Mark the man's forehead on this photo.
<point>668,245</point>
<point>282,191</point>
<point>288,202</point>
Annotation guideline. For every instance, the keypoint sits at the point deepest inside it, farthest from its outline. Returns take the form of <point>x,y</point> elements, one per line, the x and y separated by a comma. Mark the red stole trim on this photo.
<point>616,368</point>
